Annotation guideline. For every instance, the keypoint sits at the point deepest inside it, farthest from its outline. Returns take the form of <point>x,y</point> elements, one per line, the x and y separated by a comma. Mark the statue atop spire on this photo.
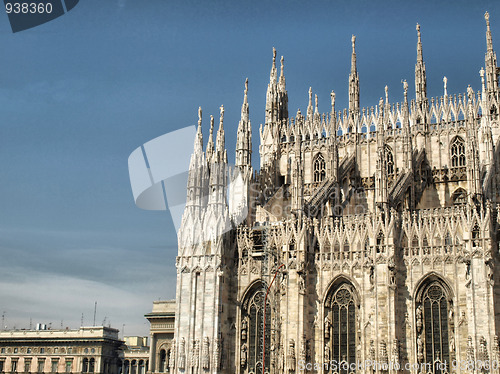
<point>332,100</point>
<point>445,83</point>
<point>489,40</point>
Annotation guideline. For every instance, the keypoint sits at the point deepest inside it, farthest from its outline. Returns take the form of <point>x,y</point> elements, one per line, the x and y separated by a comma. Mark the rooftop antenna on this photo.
<point>95,309</point>
<point>81,322</point>
<point>3,320</point>
<point>31,324</point>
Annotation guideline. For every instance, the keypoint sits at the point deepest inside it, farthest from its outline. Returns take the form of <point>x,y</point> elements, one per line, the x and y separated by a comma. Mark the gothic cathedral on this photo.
<point>367,235</point>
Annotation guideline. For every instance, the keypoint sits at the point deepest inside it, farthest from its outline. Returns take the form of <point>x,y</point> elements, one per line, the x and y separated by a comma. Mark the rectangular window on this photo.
<point>29,350</point>
<point>13,365</point>
<point>1,365</point>
<point>70,350</point>
<point>27,365</point>
<point>69,363</point>
<point>42,350</point>
<point>3,350</point>
<point>16,350</point>
<point>54,366</point>
<point>41,365</point>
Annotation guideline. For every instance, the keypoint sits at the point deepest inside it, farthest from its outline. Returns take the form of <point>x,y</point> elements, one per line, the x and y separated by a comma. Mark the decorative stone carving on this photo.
<point>244,326</point>
<point>216,353</point>
<point>395,352</point>
<point>195,353</point>
<point>383,353</point>
<point>419,319</point>
<point>420,349</point>
<point>470,349</point>
<point>291,355</point>
<point>206,354</point>
<point>328,326</point>
<point>303,348</point>
<point>182,354</point>
<point>243,356</point>
<point>327,353</point>
<point>171,358</point>
<point>372,350</point>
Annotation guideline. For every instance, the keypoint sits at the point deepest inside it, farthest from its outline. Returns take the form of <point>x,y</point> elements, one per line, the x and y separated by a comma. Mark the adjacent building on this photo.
<point>86,350</point>
<point>162,321</point>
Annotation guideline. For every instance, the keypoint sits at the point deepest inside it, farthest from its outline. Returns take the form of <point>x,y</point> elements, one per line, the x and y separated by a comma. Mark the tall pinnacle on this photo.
<point>353,56</point>
<point>198,145</point>
<point>210,144</point>
<point>489,40</point>
<point>490,60</point>
<point>219,146</point>
<point>420,78</point>
<point>282,83</point>
<point>353,82</point>
<point>244,135</point>
<point>244,108</point>
<point>310,105</point>
<point>420,57</point>
<point>274,73</point>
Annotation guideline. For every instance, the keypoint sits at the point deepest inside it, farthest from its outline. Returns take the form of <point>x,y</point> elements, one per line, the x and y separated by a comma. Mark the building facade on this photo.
<point>367,234</point>
<point>162,321</point>
<point>86,350</point>
<point>135,355</point>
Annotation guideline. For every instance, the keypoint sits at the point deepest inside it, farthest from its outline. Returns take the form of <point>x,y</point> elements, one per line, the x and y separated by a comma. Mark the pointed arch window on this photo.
<point>251,340</point>
<point>434,326</point>
<point>340,326</point>
<point>457,152</point>
<point>389,157</point>
<point>319,168</point>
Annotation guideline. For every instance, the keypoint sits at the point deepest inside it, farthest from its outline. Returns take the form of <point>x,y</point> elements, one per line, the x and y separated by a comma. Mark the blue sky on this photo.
<point>80,93</point>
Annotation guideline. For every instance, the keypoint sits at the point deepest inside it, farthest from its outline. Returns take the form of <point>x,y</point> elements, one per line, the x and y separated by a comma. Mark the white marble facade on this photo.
<point>374,229</point>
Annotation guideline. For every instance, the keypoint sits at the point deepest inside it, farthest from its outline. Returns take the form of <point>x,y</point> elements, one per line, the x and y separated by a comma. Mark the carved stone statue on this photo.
<point>419,318</point>
<point>327,353</point>
<point>420,349</point>
<point>243,356</point>
<point>182,354</point>
<point>328,325</point>
<point>171,358</point>
<point>244,326</point>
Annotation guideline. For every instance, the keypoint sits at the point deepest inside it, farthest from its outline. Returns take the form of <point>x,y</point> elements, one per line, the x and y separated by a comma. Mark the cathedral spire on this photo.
<point>420,78</point>
<point>490,60</point>
<point>210,144</point>
<point>244,108</point>
<point>244,136</point>
<point>282,83</point>
<point>353,83</point>
<point>274,73</point>
<point>310,105</point>
<point>220,142</point>
<point>198,145</point>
